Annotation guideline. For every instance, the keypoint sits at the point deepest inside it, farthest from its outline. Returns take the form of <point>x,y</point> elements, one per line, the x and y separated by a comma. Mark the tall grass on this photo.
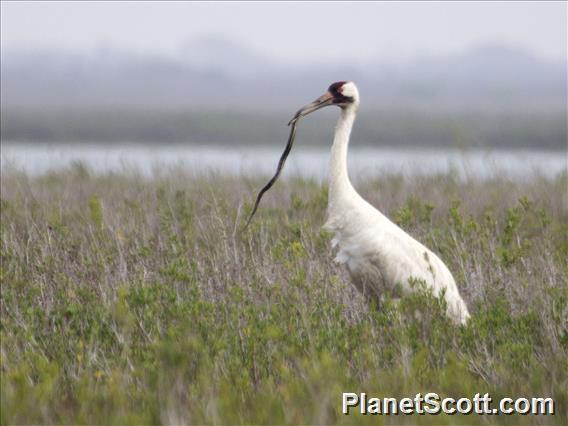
<point>131,300</point>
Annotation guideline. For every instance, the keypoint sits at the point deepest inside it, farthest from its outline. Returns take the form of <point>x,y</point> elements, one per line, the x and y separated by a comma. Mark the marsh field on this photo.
<point>134,299</point>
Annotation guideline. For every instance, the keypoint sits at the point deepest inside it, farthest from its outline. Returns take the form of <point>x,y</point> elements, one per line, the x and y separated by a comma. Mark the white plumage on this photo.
<point>379,255</point>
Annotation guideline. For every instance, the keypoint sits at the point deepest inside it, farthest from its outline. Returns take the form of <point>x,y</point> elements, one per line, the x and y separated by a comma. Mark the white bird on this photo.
<point>379,256</point>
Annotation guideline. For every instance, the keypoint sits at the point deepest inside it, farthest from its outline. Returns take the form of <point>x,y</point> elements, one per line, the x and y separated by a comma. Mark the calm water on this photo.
<point>304,161</point>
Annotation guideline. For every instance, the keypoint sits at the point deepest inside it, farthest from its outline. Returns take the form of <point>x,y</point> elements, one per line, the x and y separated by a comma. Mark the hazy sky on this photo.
<point>290,31</point>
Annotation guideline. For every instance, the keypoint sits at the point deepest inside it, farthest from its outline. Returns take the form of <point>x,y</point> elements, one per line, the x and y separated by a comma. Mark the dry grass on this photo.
<point>134,300</point>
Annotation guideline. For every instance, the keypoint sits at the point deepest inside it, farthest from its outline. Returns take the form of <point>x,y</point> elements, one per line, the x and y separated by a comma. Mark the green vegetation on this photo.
<point>128,300</point>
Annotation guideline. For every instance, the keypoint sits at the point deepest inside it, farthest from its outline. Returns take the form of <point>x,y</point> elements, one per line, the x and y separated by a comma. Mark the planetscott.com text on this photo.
<point>432,403</point>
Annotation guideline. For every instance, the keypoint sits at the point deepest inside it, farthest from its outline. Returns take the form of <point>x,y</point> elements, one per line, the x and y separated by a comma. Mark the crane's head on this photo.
<point>343,94</point>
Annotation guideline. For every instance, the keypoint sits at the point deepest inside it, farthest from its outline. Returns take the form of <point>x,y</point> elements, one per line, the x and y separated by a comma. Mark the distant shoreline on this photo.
<point>543,130</point>
<point>274,145</point>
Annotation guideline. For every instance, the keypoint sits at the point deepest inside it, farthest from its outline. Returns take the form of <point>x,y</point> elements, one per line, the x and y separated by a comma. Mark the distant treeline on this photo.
<point>544,130</point>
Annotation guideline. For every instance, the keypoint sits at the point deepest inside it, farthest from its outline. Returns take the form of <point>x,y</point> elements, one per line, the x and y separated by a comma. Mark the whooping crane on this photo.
<point>379,256</point>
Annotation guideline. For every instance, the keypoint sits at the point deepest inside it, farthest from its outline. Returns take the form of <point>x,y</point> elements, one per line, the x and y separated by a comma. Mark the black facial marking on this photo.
<point>338,97</point>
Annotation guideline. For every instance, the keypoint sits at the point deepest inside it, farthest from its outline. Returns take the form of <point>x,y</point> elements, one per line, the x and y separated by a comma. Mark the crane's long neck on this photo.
<point>340,188</point>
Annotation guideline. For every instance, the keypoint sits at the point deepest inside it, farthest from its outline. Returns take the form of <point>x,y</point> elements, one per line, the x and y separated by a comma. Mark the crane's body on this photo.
<point>379,255</point>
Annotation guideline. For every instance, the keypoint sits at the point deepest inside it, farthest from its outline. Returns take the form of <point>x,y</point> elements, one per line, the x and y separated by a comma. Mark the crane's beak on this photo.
<point>323,101</point>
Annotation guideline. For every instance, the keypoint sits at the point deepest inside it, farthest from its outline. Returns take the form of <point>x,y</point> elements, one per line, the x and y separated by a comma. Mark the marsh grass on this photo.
<point>129,300</point>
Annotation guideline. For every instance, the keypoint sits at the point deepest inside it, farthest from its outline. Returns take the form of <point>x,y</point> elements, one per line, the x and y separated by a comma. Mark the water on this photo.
<point>303,161</point>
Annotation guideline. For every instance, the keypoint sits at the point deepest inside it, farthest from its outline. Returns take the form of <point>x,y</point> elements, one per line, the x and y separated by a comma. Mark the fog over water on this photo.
<point>479,87</point>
